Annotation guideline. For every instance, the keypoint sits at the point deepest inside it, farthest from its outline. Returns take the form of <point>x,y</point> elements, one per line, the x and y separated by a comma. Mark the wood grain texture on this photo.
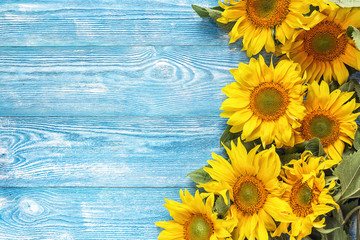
<point>115,81</point>
<point>83,213</point>
<point>105,151</point>
<point>106,23</point>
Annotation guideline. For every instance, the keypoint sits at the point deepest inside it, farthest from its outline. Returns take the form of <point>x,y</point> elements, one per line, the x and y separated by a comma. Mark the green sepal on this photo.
<point>348,172</point>
<point>220,206</point>
<point>200,176</point>
<point>214,13</point>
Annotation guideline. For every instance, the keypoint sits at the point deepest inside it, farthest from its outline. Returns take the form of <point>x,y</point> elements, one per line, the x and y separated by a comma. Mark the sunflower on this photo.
<point>194,220</point>
<point>329,117</point>
<point>256,20</point>
<point>251,180</point>
<point>265,102</point>
<point>324,49</point>
<point>306,194</point>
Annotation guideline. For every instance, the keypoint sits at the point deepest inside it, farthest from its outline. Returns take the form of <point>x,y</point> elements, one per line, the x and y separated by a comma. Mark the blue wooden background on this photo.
<point>105,107</point>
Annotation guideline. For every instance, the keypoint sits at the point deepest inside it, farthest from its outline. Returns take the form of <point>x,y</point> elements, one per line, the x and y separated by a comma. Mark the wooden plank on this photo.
<point>115,81</point>
<point>106,23</point>
<point>83,213</point>
<point>105,151</point>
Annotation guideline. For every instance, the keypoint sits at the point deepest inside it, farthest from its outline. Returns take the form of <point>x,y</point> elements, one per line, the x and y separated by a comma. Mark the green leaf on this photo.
<point>213,13</point>
<point>333,223</point>
<point>347,3</point>
<point>312,9</point>
<point>200,176</point>
<point>351,86</point>
<point>282,237</point>
<point>286,158</point>
<point>294,153</point>
<point>227,137</point>
<point>314,145</point>
<point>220,206</point>
<point>354,34</point>
<point>348,206</point>
<point>333,85</point>
<point>327,231</point>
<point>202,12</point>
<point>357,140</point>
<point>348,172</point>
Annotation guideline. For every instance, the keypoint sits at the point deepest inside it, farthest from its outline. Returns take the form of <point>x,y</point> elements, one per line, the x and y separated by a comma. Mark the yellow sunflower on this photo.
<point>329,117</point>
<point>256,20</point>
<point>306,194</point>
<point>265,102</point>
<point>194,220</point>
<point>324,49</point>
<point>251,179</point>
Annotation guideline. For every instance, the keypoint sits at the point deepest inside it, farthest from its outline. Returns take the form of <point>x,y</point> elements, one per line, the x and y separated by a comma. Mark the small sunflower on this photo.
<point>256,19</point>
<point>194,220</point>
<point>329,117</point>
<point>306,194</point>
<point>324,49</point>
<point>251,179</point>
<point>265,102</point>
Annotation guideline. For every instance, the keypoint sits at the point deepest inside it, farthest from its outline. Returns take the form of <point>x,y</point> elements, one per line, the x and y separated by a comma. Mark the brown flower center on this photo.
<point>198,227</point>
<point>249,194</point>
<point>326,41</point>
<point>267,13</point>
<point>322,125</point>
<point>269,101</point>
<point>301,197</point>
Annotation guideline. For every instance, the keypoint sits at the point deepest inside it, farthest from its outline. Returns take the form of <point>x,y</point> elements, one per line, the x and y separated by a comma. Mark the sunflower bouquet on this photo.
<point>291,165</point>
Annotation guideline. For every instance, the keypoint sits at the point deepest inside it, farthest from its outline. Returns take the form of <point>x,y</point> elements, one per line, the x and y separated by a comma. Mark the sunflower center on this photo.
<point>198,228</point>
<point>321,125</point>
<point>326,41</point>
<point>269,101</point>
<point>249,194</point>
<point>304,195</point>
<point>267,13</point>
<point>301,197</point>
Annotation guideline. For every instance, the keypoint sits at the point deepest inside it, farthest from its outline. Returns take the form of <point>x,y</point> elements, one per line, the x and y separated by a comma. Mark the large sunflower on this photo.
<point>329,117</point>
<point>306,194</point>
<point>256,20</point>
<point>194,220</point>
<point>265,102</point>
<point>324,49</point>
<point>251,179</point>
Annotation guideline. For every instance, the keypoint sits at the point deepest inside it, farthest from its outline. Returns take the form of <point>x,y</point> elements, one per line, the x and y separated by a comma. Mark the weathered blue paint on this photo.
<point>105,106</point>
<point>115,81</point>
<point>105,151</point>
<point>83,213</point>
